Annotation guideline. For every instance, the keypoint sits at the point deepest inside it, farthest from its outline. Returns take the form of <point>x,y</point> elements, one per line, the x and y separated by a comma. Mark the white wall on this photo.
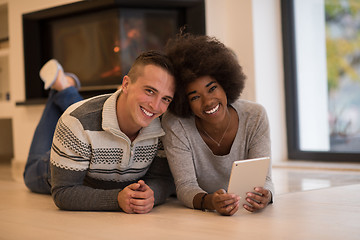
<point>26,118</point>
<point>231,22</point>
<point>250,27</point>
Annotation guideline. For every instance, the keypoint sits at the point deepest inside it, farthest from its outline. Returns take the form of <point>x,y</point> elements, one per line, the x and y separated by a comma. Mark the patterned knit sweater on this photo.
<point>92,160</point>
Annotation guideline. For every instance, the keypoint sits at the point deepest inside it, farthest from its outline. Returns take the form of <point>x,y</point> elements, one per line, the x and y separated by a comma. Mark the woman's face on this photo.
<point>207,99</point>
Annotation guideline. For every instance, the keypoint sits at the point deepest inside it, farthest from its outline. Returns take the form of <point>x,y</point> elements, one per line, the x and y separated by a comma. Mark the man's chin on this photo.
<point>146,122</point>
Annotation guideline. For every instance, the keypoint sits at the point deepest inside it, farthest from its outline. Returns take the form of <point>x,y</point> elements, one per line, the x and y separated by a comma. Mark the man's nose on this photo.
<point>155,104</point>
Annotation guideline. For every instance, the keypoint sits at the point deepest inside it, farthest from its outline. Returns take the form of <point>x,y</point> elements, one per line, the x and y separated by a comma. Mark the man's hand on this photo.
<point>136,198</point>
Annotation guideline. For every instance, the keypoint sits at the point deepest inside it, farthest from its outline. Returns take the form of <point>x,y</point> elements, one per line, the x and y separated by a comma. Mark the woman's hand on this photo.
<point>258,199</point>
<point>224,203</point>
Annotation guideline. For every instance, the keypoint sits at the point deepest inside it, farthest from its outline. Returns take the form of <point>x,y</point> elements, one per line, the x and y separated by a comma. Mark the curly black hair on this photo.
<point>197,56</point>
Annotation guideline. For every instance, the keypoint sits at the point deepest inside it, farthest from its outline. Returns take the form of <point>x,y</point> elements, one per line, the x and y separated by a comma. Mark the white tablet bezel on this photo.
<point>246,175</point>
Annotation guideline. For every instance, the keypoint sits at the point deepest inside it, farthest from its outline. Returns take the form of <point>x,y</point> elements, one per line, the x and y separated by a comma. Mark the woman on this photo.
<point>208,128</point>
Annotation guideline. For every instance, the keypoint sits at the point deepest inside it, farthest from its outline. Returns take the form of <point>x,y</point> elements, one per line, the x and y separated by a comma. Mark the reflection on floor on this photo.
<point>295,180</point>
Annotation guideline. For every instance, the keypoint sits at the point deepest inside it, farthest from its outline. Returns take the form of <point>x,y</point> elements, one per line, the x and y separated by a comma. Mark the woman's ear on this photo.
<point>125,83</point>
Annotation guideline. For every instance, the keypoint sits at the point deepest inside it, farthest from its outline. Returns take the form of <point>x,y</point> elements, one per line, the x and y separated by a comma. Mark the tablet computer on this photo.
<point>246,175</point>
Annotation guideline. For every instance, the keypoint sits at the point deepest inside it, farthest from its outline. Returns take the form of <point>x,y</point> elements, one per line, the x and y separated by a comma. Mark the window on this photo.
<point>322,78</point>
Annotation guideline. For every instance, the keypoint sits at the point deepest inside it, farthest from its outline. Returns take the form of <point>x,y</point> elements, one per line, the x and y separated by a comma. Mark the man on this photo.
<point>103,155</point>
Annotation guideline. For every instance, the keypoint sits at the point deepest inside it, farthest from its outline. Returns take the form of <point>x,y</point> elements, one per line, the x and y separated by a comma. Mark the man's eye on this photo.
<point>167,100</point>
<point>149,91</point>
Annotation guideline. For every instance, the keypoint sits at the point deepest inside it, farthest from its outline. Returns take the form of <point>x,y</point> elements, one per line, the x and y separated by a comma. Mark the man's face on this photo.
<point>149,96</point>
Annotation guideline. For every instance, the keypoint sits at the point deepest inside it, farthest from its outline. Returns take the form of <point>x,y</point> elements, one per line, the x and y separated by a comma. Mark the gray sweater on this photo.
<point>92,160</point>
<point>196,169</point>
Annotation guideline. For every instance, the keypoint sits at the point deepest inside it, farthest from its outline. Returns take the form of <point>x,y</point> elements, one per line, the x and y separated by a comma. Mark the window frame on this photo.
<point>291,96</point>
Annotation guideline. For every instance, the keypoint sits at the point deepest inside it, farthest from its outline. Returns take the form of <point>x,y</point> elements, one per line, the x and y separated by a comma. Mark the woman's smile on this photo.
<point>213,110</point>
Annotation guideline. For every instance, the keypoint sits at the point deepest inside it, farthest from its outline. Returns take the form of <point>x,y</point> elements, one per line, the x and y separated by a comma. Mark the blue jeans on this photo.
<point>37,169</point>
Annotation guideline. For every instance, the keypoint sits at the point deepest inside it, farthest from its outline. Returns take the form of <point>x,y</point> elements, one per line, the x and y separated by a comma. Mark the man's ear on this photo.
<point>125,83</point>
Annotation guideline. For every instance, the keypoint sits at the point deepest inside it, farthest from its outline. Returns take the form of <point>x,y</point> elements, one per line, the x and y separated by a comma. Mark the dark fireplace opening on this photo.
<point>98,40</point>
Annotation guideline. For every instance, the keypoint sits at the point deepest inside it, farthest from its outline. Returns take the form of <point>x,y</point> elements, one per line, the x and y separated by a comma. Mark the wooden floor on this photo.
<point>309,204</point>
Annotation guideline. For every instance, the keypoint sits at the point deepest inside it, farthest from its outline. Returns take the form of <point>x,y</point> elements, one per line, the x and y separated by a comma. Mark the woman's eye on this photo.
<point>194,98</point>
<point>212,88</point>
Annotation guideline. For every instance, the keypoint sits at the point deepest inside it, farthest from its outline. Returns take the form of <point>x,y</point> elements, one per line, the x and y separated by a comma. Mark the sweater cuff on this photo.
<point>110,200</point>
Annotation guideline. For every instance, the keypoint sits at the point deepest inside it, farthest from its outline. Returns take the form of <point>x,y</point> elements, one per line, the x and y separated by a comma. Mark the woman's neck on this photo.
<point>219,137</point>
<point>214,128</point>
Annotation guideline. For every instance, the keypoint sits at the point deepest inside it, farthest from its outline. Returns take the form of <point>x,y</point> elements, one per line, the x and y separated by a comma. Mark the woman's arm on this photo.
<point>260,146</point>
<point>179,155</point>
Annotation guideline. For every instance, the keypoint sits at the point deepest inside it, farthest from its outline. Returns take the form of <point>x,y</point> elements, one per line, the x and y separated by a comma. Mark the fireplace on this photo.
<point>98,40</point>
